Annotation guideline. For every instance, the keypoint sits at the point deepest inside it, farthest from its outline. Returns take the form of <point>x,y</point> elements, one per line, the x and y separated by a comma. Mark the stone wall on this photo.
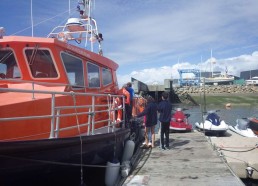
<point>219,89</point>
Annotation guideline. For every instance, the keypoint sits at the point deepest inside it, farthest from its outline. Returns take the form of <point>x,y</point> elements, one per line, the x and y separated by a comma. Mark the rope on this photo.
<point>115,144</point>
<point>41,22</point>
<point>247,150</point>
<point>231,170</point>
<point>79,130</point>
<point>24,137</point>
<point>246,163</point>
<point>58,163</point>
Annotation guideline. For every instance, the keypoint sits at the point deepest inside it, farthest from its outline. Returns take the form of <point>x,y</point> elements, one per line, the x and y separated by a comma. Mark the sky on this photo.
<point>152,39</point>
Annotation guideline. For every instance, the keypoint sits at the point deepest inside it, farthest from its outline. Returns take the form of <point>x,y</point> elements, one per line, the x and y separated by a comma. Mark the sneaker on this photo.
<point>163,148</point>
<point>149,144</point>
<point>166,148</point>
<point>144,143</point>
<point>143,146</point>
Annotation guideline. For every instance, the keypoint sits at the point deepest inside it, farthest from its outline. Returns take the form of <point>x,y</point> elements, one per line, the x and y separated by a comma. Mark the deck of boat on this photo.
<point>191,160</point>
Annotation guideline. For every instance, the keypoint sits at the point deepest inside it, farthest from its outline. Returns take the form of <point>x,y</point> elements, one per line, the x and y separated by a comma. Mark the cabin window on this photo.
<point>74,69</point>
<point>8,65</point>
<point>41,63</point>
<point>106,76</point>
<point>93,75</point>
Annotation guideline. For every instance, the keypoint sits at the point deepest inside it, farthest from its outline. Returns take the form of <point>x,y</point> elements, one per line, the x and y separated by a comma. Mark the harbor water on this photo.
<point>229,115</point>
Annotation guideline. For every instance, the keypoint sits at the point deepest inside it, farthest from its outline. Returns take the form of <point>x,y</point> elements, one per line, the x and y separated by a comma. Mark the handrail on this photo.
<point>56,115</point>
<point>33,82</point>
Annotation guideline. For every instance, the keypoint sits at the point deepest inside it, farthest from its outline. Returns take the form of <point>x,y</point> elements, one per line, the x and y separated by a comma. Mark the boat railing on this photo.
<point>89,110</point>
<point>33,82</point>
<point>84,31</point>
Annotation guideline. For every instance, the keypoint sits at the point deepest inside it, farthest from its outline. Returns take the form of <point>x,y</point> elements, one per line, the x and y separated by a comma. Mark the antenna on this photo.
<point>200,68</point>
<point>211,65</point>
<point>31,18</point>
<point>69,8</point>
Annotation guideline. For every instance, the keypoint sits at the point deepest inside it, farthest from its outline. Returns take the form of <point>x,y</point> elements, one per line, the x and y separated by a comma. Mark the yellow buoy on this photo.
<point>228,105</point>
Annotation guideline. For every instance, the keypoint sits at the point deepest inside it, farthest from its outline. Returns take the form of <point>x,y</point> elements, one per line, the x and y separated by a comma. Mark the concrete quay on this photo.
<point>240,153</point>
<point>191,160</point>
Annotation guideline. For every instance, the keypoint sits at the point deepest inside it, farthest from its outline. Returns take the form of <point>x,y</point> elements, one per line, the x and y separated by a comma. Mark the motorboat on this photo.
<point>242,128</point>
<point>252,81</point>
<point>220,79</point>
<point>57,104</point>
<point>213,124</point>
<point>179,121</point>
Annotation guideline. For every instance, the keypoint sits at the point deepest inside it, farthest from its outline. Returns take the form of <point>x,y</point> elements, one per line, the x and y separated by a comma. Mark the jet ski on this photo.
<point>179,122</point>
<point>242,128</point>
<point>212,125</point>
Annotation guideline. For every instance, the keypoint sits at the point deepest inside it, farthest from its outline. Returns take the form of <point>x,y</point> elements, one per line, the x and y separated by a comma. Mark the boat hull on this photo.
<point>180,127</point>
<point>246,133</point>
<point>242,128</point>
<point>23,160</point>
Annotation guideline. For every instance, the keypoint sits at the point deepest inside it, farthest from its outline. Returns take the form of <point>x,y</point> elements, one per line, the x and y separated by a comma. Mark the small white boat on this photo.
<point>242,128</point>
<point>212,124</point>
<point>252,81</point>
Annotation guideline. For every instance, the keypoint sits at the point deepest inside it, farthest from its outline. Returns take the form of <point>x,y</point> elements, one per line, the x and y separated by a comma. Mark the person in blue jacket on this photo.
<point>165,109</point>
<point>150,111</point>
<point>131,91</point>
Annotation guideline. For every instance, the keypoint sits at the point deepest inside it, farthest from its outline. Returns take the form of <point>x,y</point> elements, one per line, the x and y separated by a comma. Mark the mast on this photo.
<point>81,29</point>
<point>211,65</point>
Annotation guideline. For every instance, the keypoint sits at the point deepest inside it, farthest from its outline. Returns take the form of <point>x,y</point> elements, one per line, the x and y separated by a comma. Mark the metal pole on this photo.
<point>52,116</point>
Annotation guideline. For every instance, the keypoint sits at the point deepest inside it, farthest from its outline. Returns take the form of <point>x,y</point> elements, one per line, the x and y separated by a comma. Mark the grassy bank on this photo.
<point>223,99</point>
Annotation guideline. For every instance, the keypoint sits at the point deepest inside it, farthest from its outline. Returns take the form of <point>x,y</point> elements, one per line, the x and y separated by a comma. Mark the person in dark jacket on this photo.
<point>150,111</point>
<point>165,109</point>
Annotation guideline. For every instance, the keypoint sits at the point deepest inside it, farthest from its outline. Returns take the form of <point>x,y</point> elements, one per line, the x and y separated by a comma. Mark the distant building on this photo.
<point>248,74</point>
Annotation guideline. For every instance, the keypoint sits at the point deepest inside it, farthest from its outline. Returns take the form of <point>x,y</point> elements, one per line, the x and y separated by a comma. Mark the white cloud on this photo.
<point>234,65</point>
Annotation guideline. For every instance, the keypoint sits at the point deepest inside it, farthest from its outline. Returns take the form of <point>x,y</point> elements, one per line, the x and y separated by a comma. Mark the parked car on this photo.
<point>252,81</point>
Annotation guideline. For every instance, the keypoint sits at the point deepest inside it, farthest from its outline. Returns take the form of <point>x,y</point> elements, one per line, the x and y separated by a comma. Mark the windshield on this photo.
<point>8,65</point>
<point>41,63</point>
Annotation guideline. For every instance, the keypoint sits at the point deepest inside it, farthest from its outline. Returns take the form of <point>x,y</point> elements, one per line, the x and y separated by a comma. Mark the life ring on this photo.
<point>116,106</point>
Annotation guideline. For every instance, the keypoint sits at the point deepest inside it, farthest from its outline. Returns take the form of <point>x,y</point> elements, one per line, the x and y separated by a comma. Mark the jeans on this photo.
<point>164,131</point>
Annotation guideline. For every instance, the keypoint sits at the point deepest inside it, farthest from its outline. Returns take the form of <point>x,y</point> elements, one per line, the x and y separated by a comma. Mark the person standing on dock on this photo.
<point>165,109</point>
<point>131,91</point>
<point>150,111</point>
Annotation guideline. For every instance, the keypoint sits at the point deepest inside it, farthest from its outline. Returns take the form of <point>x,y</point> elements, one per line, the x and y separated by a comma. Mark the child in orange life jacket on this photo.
<point>128,115</point>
